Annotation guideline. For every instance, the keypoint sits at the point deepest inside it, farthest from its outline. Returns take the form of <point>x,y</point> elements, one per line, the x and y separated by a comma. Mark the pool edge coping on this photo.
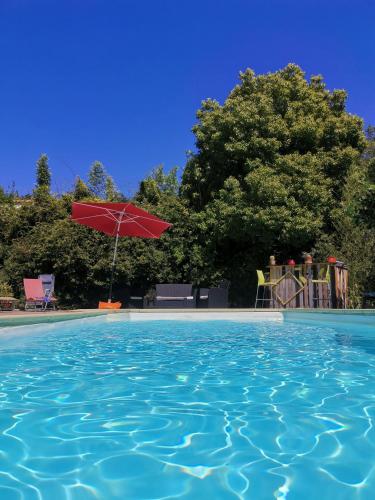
<point>49,318</point>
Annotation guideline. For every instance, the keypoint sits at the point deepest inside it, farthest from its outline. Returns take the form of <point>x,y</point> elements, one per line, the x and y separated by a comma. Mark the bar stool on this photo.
<point>324,278</point>
<point>263,283</point>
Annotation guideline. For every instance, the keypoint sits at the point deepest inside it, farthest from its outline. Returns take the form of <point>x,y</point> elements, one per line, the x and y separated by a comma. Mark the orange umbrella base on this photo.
<point>109,305</point>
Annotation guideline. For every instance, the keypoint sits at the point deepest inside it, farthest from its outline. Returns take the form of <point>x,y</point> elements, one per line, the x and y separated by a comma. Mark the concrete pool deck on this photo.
<point>21,318</point>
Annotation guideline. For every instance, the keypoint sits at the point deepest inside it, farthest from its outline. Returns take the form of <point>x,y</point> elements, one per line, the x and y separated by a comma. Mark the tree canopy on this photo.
<point>278,121</point>
<point>271,166</point>
<point>43,174</point>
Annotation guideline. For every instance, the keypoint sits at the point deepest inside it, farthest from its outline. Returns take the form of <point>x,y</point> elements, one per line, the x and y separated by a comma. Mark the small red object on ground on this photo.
<point>291,262</point>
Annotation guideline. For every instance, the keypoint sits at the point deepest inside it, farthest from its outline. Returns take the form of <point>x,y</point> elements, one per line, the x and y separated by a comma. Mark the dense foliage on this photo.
<point>281,167</point>
<point>272,167</point>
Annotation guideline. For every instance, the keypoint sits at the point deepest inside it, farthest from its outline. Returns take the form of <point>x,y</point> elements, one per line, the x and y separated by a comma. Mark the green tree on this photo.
<point>270,168</point>
<point>158,183</point>
<point>367,200</point>
<point>43,173</point>
<point>7,196</point>
<point>102,185</point>
<point>97,179</point>
<point>81,191</point>
<point>166,182</point>
<point>274,121</point>
<point>111,191</point>
<point>148,192</point>
<point>43,180</point>
<point>353,238</point>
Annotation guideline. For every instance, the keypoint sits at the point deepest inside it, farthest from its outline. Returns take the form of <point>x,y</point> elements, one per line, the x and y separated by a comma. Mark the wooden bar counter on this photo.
<point>294,292</point>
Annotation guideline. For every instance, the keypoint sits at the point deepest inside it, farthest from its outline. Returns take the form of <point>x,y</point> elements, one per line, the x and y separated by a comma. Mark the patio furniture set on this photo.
<point>182,296</point>
<point>308,285</point>
<point>39,296</point>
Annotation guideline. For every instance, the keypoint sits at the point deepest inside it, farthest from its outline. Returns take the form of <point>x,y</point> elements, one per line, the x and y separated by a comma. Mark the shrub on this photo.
<point>5,290</point>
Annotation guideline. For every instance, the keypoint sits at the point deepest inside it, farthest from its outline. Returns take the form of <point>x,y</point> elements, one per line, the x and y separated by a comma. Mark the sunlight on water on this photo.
<point>214,410</point>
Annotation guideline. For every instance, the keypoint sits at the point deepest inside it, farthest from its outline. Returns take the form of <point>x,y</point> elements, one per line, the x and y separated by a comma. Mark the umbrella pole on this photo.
<point>114,259</point>
<point>113,269</point>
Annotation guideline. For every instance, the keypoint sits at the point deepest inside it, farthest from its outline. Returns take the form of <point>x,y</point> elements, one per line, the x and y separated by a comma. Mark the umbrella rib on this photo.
<point>95,217</point>
<point>145,229</point>
<point>111,211</point>
<point>129,218</point>
<point>158,221</point>
<point>133,219</point>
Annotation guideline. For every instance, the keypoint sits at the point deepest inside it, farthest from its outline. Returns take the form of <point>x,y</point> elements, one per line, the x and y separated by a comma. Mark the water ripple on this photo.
<point>112,410</point>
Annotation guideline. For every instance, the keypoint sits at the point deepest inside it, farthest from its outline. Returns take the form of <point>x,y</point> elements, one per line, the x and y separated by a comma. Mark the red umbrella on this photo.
<point>118,219</point>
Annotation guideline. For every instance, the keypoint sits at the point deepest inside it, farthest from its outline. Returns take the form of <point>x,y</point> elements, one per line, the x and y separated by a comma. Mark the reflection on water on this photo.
<point>161,410</point>
<point>367,343</point>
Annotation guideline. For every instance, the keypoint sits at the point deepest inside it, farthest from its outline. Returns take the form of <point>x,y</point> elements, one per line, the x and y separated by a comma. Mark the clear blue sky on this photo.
<point>120,81</point>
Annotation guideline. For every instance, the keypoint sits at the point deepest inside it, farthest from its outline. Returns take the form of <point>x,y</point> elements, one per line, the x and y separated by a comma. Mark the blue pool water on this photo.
<point>214,410</point>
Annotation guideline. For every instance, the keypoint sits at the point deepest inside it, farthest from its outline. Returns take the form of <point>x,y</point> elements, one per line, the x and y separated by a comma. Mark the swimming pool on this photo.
<point>113,409</point>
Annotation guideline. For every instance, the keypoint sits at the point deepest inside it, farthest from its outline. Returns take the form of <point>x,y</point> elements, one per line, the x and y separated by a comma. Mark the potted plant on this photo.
<point>307,257</point>
<point>331,259</point>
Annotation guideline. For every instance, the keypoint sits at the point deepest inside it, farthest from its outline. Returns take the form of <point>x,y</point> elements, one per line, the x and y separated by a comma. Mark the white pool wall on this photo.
<point>243,316</point>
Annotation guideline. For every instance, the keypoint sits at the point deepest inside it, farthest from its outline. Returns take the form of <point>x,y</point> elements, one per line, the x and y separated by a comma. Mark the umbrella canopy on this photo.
<point>118,219</point>
<point>122,219</point>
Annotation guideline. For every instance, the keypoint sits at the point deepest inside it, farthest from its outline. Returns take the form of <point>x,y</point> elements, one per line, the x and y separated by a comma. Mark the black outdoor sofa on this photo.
<point>174,296</point>
<point>215,297</point>
<point>179,296</point>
